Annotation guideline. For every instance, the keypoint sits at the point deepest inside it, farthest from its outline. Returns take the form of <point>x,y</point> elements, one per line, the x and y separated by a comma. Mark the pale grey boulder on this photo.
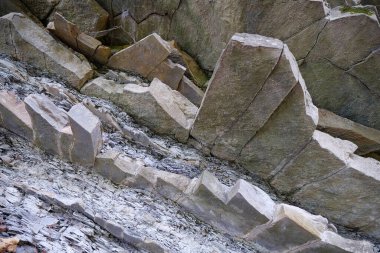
<point>352,191</point>
<point>241,72</point>
<point>51,127</point>
<point>14,117</point>
<point>87,135</point>
<point>26,41</point>
<point>142,57</point>
<point>367,139</point>
<point>322,157</point>
<point>103,88</point>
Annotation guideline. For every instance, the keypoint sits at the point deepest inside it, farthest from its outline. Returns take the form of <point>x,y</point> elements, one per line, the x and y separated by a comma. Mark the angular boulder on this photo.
<point>51,127</point>
<point>87,133</point>
<point>26,41</point>
<point>367,139</point>
<point>87,14</point>
<point>188,89</point>
<point>169,73</point>
<point>273,117</point>
<point>142,57</point>
<point>13,115</point>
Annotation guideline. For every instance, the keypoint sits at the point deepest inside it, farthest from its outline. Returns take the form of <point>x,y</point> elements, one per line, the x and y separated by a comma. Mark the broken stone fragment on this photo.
<point>104,88</point>
<point>49,125</point>
<point>87,133</point>
<point>65,30</point>
<point>115,167</point>
<point>142,57</point>
<point>367,139</point>
<point>290,228</point>
<point>355,187</point>
<point>188,89</point>
<point>332,153</point>
<point>102,54</point>
<point>26,41</point>
<point>87,14</point>
<point>87,44</point>
<point>169,73</point>
<point>14,117</point>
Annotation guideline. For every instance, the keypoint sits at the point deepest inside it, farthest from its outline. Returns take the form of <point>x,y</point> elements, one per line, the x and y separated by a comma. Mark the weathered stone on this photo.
<point>49,123</point>
<point>171,186</point>
<point>87,134</point>
<point>87,14</point>
<point>156,107</point>
<point>322,157</point>
<point>340,60</point>
<point>272,93</point>
<point>9,6</point>
<point>348,197</point>
<point>103,88</point>
<point>102,54</point>
<point>87,44</point>
<point>41,8</point>
<point>241,71</point>
<point>142,57</point>
<point>252,206</point>
<point>115,167</point>
<point>190,91</point>
<point>13,115</point>
<point>65,30</point>
<point>169,73</point>
<point>333,243</point>
<point>26,41</point>
<point>291,227</point>
<point>367,139</point>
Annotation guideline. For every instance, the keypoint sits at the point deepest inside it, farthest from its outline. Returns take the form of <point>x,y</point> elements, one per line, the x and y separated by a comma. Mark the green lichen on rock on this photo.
<point>356,10</point>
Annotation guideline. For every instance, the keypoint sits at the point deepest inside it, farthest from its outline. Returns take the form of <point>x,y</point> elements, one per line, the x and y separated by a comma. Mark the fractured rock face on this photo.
<point>14,116</point>
<point>190,91</point>
<point>87,14</point>
<point>169,73</point>
<point>50,125</point>
<point>86,128</point>
<point>26,41</point>
<point>273,117</point>
<point>142,57</point>
<point>41,8</point>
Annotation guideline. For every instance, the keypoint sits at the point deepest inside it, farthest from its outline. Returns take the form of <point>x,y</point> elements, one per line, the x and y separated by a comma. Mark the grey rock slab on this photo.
<point>273,92</point>
<point>188,89</point>
<point>169,73</point>
<point>103,88</point>
<point>14,116</point>
<point>142,57</point>
<point>322,157</point>
<point>40,8</point>
<point>349,197</point>
<point>367,139</point>
<point>49,123</point>
<point>290,228</point>
<point>285,134</point>
<point>26,41</point>
<point>87,134</point>
<point>115,167</point>
<point>241,72</point>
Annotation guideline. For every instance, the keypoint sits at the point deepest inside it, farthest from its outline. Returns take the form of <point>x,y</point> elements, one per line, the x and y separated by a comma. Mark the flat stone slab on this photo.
<point>14,116</point>
<point>142,57</point>
<point>169,73</point>
<point>28,42</point>
<point>187,88</point>
<point>367,139</point>
<point>87,133</point>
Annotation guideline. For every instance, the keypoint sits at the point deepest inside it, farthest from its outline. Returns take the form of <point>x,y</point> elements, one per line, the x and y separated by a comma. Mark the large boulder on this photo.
<point>23,39</point>
<point>273,117</point>
<point>87,133</point>
<point>87,14</point>
<point>142,57</point>
<point>41,8</point>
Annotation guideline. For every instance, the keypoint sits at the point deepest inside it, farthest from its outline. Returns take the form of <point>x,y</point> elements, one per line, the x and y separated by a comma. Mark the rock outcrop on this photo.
<point>23,39</point>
